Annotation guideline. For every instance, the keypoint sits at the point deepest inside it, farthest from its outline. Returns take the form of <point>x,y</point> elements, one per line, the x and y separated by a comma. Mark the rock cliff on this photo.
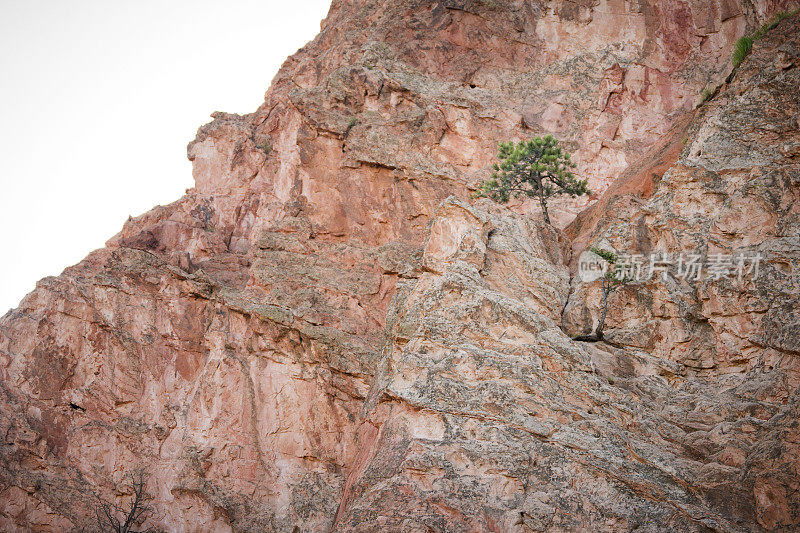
<point>326,334</point>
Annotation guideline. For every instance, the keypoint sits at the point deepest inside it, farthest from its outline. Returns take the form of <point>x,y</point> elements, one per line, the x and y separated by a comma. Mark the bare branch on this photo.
<point>134,516</point>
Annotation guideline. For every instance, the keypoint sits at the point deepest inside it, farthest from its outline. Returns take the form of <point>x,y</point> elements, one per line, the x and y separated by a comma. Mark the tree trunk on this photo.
<point>542,201</point>
<point>598,332</point>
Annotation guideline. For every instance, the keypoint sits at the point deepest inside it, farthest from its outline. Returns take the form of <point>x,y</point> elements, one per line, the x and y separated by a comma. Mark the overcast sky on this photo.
<point>99,99</point>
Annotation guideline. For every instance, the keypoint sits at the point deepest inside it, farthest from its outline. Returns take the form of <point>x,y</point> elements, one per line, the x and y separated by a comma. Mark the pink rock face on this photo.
<point>730,189</point>
<point>325,335</point>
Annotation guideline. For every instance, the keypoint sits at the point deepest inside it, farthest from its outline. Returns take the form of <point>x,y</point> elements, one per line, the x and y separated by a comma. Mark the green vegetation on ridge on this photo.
<point>745,44</point>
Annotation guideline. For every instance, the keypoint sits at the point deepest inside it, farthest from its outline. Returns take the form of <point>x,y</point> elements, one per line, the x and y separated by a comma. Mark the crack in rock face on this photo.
<point>328,334</point>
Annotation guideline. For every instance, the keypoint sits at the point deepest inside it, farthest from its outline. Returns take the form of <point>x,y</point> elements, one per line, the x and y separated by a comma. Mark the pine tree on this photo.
<point>534,168</point>
<point>612,279</point>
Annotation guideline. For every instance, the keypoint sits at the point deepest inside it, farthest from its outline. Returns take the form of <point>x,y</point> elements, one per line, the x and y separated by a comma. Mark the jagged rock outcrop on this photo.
<point>320,335</point>
<point>731,188</point>
<point>485,416</point>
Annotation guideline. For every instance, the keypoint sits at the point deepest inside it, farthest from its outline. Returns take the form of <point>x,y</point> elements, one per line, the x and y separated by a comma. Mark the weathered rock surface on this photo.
<point>320,335</point>
<point>732,188</point>
<point>485,416</point>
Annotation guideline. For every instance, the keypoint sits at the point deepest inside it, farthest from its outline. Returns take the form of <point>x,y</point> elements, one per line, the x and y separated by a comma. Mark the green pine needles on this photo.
<point>537,168</point>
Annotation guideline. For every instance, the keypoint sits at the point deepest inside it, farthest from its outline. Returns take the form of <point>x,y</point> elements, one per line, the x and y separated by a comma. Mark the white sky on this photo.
<point>98,100</point>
